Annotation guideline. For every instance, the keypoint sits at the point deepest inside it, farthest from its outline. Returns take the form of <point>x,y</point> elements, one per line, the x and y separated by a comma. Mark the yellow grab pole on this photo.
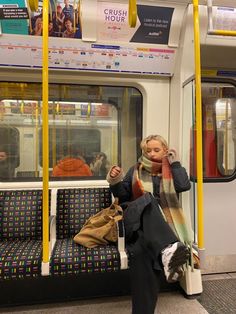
<point>222,32</point>
<point>219,32</point>
<point>132,13</point>
<point>45,136</point>
<point>200,215</point>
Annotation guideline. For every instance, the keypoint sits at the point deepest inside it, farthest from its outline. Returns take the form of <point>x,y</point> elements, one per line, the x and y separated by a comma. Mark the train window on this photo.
<point>219,128</point>
<point>89,129</point>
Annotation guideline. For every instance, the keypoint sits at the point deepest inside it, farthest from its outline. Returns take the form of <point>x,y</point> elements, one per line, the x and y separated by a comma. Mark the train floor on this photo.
<point>218,297</point>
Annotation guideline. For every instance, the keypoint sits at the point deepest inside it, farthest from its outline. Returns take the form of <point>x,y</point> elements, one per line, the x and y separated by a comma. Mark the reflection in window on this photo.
<point>90,123</point>
<point>225,137</point>
<point>219,129</point>
<point>9,152</point>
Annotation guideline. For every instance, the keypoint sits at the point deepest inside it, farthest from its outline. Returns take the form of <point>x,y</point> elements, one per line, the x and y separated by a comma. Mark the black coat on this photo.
<point>133,210</point>
<point>123,189</point>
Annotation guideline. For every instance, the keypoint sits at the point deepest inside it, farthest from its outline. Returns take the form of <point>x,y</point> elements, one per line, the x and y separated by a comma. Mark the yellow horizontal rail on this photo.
<point>222,32</point>
<point>211,30</point>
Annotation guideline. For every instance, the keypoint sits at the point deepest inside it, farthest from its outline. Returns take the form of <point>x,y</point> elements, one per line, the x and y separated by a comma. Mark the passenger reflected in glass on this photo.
<point>100,165</point>
<point>7,169</point>
<point>72,165</point>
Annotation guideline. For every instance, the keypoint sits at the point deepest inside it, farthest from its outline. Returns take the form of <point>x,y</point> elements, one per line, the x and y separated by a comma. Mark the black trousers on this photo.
<point>145,260</point>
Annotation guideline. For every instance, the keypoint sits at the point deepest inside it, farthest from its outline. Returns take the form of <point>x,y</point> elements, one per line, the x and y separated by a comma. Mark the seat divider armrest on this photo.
<point>52,228</point>
<point>121,245</point>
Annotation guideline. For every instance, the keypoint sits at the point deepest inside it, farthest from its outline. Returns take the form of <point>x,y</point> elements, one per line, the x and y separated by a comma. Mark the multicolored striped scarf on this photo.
<point>142,182</point>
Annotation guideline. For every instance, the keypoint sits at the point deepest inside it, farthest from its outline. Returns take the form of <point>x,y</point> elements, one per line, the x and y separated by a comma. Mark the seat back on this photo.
<point>75,206</point>
<point>21,215</point>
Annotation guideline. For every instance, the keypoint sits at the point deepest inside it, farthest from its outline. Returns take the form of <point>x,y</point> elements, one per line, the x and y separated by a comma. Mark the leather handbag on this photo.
<point>101,228</point>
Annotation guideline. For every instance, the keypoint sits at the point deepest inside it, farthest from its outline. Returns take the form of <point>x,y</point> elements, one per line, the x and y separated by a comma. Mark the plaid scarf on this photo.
<point>142,182</point>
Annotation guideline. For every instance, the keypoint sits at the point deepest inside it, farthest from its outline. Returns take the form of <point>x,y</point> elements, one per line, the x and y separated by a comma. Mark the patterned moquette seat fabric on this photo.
<point>71,258</point>
<point>20,234</point>
<point>74,207</point>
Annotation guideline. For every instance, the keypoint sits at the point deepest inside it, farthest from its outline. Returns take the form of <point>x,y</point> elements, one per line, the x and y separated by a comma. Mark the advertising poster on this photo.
<point>114,23</point>
<point>153,22</point>
<point>63,20</point>
<point>14,17</point>
<point>155,25</point>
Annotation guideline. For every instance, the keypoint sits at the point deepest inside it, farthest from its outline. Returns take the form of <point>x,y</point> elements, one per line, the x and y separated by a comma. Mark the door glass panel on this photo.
<point>219,129</point>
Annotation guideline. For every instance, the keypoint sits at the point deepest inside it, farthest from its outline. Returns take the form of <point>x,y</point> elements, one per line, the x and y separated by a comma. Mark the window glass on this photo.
<point>90,128</point>
<point>219,129</point>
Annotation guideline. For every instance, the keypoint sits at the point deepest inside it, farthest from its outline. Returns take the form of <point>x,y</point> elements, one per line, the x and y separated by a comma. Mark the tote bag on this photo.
<point>101,228</point>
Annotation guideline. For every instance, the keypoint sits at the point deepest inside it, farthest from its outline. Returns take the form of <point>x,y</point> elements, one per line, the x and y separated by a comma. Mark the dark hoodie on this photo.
<point>71,167</point>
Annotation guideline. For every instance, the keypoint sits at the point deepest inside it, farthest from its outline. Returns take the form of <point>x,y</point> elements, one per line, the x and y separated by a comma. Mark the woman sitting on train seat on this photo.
<point>100,165</point>
<point>154,222</point>
<point>73,165</point>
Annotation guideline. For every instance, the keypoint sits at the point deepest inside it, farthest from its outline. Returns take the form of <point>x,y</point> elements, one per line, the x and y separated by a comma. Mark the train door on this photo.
<point>219,151</point>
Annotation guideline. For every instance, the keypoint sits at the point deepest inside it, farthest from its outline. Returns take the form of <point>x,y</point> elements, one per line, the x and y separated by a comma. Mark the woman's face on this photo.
<point>155,151</point>
<point>68,25</point>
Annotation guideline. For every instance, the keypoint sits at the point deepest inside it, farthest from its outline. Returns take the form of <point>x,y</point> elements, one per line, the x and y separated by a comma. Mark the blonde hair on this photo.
<point>159,138</point>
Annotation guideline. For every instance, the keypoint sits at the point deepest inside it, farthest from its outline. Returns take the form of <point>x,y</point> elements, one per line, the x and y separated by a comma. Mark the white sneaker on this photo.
<point>173,258</point>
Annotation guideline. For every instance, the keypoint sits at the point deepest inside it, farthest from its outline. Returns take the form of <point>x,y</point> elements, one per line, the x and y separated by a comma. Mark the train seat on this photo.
<point>74,207</point>
<point>20,234</point>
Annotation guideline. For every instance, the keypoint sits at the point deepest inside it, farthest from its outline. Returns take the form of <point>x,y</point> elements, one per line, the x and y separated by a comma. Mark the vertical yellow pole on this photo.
<point>45,136</point>
<point>132,13</point>
<point>198,127</point>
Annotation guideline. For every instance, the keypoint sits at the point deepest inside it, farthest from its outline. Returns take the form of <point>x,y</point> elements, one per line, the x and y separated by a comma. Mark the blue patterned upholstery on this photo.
<point>20,259</point>
<point>20,233</point>
<point>21,215</point>
<point>71,258</point>
<point>74,207</point>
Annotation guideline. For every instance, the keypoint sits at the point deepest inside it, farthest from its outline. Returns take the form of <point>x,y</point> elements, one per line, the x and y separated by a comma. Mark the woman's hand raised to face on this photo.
<point>115,171</point>
<point>172,155</point>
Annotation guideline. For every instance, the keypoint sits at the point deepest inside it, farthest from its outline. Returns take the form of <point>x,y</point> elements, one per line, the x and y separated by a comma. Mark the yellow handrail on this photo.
<point>45,136</point>
<point>211,31</point>
<point>200,210</point>
<point>33,4</point>
<point>222,32</point>
<point>132,13</point>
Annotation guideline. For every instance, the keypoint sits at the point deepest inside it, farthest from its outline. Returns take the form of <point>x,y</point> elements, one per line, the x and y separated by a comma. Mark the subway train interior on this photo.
<point>121,70</point>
